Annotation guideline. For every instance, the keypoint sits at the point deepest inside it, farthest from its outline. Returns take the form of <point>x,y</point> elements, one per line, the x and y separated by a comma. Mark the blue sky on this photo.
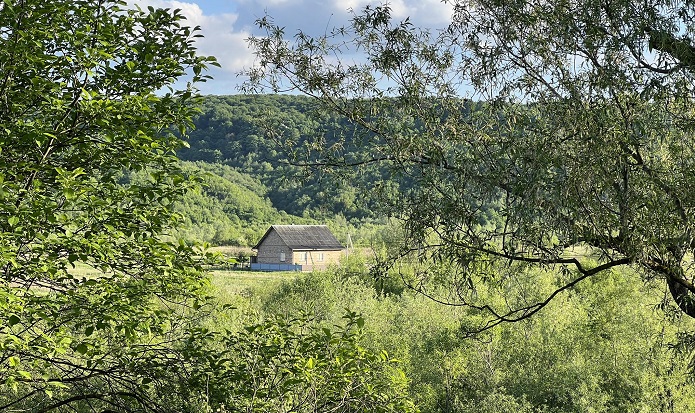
<point>227,23</point>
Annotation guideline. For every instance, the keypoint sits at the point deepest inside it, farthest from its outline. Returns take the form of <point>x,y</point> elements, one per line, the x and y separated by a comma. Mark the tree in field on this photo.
<point>91,296</point>
<point>576,150</point>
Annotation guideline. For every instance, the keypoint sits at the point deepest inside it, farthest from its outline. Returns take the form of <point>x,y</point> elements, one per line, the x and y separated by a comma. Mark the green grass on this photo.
<point>84,270</point>
<point>240,281</point>
<point>246,290</point>
<point>230,282</point>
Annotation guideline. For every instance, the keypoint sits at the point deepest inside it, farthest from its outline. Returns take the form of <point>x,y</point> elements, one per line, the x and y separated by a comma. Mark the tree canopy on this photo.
<point>91,296</point>
<point>229,131</point>
<point>569,123</point>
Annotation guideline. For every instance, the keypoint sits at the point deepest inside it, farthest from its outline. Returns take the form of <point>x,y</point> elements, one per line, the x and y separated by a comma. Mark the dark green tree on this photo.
<point>582,141</point>
<point>91,297</point>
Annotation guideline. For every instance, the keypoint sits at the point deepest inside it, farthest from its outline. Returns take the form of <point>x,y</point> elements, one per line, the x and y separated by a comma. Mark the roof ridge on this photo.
<point>304,237</point>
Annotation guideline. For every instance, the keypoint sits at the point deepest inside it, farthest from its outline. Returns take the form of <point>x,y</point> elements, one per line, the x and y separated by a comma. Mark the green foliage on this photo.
<point>234,131</point>
<point>229,207</point>
<point>358,267</point>
<point>296,365</point>
<point>88,92</point>
<point>602,348</point>
<point>99,311</point>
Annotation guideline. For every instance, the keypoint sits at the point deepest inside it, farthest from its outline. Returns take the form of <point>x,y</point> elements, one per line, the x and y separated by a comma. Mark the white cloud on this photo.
<point>222,38</point>
<point>429,13</point>
<point>227,29</point>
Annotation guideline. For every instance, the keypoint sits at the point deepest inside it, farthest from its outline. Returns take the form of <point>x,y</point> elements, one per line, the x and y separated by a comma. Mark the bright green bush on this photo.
<point>297,365</point>
<point>603,347</point>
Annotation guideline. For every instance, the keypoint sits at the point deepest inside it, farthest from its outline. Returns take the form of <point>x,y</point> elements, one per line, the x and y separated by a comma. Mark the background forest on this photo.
<point>250,184</point>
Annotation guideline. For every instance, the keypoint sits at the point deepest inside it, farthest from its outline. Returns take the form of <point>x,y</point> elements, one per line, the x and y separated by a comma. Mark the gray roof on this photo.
<point>305,237</point>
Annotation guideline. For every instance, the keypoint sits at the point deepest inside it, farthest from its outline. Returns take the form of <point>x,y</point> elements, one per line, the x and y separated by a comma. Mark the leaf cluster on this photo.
<point>297,365</point>
<point>91,295</point>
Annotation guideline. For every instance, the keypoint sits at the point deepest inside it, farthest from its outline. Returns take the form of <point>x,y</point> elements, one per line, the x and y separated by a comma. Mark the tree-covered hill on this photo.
<point>231,131</point>
<point>228,208</point>
<point>253,178</point>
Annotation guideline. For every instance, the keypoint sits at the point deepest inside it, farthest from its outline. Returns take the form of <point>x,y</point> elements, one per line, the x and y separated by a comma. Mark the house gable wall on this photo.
<point>270,250</point>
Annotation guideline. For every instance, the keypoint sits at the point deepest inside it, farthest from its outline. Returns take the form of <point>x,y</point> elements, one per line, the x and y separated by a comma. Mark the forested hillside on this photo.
<point>228,208</point>
<point>250,180</point>
<point>230,131</point>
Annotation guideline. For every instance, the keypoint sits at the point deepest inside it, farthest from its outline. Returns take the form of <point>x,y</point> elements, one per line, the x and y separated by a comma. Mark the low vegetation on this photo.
<point>604,347</point>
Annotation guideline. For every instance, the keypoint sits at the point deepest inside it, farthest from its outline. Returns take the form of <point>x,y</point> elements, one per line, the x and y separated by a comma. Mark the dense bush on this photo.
<point>296,365</point>
<point>604,347</point>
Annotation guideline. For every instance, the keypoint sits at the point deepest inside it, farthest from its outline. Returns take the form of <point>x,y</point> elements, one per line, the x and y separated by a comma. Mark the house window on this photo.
<point>320,258</point>
<point>306,257</point>
<point>282,256</point>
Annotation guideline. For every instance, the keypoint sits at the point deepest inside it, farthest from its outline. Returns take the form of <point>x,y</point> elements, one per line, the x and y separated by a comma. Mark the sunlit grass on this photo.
<point>240,281</point>
<point>83,270</point>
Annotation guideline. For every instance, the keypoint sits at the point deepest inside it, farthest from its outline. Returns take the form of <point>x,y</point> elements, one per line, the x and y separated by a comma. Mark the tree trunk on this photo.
<point>682,295</point>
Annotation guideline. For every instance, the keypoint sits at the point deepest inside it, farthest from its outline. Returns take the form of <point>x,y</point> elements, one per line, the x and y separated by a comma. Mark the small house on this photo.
<point>297,248</point>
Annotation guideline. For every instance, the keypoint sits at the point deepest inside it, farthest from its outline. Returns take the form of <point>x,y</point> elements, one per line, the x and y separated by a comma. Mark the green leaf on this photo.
<point>81,348</point>
<point>69,193</point>
<point>13,320</point>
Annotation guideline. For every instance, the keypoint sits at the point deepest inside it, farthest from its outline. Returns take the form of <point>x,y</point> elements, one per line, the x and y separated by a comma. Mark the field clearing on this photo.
<point>229,285</point>
<point>231,281</point>
<point>83,270</point>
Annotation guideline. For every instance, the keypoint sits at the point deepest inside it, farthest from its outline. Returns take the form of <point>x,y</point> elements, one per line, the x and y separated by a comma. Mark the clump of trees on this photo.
<point>600,347</point>
<point>227,208</point>
<point>583,138</point>
<point>293,363</point>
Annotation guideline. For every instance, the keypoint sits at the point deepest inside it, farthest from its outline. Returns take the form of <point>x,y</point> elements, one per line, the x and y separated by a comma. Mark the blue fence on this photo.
<point>255,266</point>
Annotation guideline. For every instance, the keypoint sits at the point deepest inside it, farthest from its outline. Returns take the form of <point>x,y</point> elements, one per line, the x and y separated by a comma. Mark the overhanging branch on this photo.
<point>524,312</point>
